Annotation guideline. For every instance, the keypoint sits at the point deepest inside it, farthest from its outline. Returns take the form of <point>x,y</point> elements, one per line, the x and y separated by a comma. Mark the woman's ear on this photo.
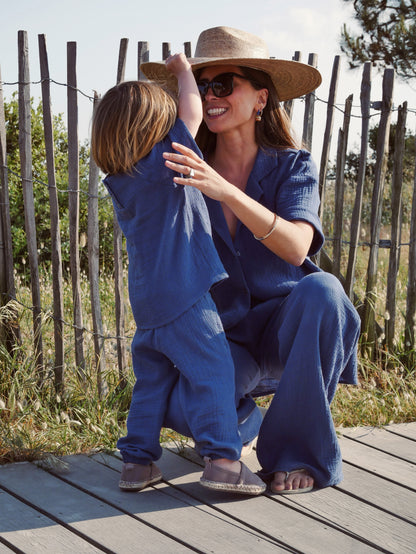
<point>262,97</point>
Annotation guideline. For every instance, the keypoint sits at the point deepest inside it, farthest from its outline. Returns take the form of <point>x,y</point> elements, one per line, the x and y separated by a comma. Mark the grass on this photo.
<point>36,422</point>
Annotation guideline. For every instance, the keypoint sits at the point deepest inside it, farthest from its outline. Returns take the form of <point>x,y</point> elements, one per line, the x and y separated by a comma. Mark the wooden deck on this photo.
<point>80,509</point>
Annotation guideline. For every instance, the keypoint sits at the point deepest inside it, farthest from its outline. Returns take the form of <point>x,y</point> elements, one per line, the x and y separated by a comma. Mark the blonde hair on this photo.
<point>129,120</point>
<point>274,129</point>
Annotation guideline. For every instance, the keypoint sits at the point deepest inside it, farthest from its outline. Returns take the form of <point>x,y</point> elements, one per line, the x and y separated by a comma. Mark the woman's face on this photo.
<point>236,111</point>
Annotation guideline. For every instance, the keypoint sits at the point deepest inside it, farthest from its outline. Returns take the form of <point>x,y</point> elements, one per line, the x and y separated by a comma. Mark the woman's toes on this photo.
<point>279,481</point>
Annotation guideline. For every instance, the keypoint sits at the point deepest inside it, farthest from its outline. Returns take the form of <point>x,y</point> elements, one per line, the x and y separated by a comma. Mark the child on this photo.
<point>179,341</point>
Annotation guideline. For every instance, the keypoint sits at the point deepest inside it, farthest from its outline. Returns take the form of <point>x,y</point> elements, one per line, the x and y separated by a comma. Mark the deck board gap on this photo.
<point>389,453</point>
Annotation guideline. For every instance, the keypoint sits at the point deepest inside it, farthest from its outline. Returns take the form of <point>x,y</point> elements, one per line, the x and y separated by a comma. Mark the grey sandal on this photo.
<point>221,479</point>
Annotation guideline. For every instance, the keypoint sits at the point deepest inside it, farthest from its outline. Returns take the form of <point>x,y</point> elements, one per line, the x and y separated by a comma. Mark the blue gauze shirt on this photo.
<point>172,258</point>
<point>286,182</point>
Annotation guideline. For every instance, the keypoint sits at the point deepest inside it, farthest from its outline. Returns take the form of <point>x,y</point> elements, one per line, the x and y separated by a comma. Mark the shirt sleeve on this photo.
<point>297,195</point>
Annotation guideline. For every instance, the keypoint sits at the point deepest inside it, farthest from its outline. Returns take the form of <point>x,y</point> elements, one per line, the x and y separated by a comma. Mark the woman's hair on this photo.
<point>274,129</point>
<point>129,120</point>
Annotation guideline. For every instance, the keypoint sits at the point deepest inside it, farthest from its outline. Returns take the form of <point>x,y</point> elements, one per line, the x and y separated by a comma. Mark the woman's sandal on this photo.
<point>293,491</point>
<point>221,479</point>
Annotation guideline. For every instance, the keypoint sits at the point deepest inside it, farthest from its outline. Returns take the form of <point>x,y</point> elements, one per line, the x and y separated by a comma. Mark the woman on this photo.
<point>289,325</point>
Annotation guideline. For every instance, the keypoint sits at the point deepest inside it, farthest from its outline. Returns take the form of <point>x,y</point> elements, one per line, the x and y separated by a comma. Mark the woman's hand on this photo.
<point>206,179</point>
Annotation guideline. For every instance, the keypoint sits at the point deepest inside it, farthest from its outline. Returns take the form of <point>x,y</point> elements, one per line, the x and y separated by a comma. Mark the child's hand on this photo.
<point>177,63</point>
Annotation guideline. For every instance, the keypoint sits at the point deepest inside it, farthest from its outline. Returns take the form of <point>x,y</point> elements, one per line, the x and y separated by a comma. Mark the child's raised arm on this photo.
<point>190,105</point>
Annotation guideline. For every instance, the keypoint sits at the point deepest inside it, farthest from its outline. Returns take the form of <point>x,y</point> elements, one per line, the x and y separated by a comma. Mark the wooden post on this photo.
<point>396,212</point>
<point>142,57</point>
<point>57,280</point>
<point>9,329</point>
<point>288,105</point>
<point>122,58</point>
<point>410,323</point>
<point>356,214</point>
<point>94,272</point>
<point>340,187</point>
<point>118,266</point>
<point>25,149</point>
<point>73,202</point>
<point>328,132</point>
<point>309,110</point>
<point>369,344</point>
<point>165,50</point>
<point>187,49</point>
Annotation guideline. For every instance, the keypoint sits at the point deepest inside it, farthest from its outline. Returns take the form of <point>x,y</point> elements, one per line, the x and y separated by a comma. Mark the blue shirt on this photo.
<point>172,258</point>
<point>286,182</point>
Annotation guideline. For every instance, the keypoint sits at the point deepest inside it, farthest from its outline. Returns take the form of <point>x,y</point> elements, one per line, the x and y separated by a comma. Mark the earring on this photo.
<point>259,114</point>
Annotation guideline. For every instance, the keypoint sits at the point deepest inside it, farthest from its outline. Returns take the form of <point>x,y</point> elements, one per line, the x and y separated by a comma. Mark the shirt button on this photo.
<point>237,252</point>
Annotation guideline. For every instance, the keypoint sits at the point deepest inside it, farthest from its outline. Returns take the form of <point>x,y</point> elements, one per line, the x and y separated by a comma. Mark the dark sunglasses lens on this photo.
<point>203,87</point>
<point>222,85</point>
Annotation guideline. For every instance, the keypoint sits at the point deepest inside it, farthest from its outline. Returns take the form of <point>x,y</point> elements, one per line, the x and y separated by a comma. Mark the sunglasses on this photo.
<point>222,85</point>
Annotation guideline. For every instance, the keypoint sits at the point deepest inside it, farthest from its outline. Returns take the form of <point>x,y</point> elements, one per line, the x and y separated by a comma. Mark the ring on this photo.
<point>191,174</point>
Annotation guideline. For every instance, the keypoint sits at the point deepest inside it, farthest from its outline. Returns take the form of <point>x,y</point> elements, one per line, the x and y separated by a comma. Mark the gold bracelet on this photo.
<point>275,221</point>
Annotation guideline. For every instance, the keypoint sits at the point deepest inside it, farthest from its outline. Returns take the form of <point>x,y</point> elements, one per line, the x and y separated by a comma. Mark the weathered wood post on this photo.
<point>9,326</point>
<point>396,213</point>
<point>309,110</point>
<point>410,323</point>
<point>25,149</point>
<point>369,344</point>
<point>340,187</point>
<point>288,104</point>
<point>94,272</point>
<point>73,203</point>
<point>356,214</point>
<point>57,280</point>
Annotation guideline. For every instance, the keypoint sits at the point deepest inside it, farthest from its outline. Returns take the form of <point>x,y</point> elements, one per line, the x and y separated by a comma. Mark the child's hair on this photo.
<point>129,120</point>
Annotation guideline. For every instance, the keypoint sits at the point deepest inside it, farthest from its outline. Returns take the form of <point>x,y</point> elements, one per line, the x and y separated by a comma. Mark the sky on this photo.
<point>97,26</point>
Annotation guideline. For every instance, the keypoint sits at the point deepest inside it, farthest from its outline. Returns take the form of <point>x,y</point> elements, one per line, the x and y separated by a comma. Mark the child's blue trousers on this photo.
<point>307,342</point>
<point>192,356</point>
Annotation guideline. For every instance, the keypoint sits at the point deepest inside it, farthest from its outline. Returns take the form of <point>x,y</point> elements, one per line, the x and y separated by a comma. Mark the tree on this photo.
<point>41,196</point>
<point>388,35</point>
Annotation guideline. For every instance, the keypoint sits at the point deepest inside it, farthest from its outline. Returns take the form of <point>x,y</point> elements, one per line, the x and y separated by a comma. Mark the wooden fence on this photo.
<point>371,325</point>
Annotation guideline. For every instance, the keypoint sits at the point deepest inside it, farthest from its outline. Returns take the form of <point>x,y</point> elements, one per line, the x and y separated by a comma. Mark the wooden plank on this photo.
<point>383,530</point>
<point>166,508</point>
<point>269,515</point>
<point>100,523</point>
<point>348,514</point>
<point>289,104</point>
<point>25,151</point>
<point>73,207</point>
<point>400,472</point>
<point>407,430</point>
<point>385,441</point>
<point>23,527</point>
<point>375,490</point>
<point>56,252</point>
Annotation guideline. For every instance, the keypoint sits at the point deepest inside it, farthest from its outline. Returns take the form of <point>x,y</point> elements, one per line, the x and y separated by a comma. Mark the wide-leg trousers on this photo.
<point>306,343</point>
<point>192,356</point>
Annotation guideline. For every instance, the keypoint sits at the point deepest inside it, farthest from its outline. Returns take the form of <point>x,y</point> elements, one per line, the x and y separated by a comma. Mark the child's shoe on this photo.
<point>135,477</point>
<point>219,478</point>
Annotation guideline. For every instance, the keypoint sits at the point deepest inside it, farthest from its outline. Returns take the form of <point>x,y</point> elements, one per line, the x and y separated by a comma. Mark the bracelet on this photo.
<point>275,221</point>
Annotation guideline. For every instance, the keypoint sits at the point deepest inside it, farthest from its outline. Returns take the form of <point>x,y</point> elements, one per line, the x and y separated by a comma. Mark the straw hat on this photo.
<point>225,46</point>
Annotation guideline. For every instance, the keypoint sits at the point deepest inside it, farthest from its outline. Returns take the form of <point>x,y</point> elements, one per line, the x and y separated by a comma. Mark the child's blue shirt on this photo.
<point>172,258</point>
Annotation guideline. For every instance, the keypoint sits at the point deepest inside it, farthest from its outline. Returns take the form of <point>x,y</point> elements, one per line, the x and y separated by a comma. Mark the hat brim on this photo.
<point>291,79</point>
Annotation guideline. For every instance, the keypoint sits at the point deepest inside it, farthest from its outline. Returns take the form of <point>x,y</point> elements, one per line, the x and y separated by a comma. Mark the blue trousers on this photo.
<point>305,343</point>
<point>191,355</point>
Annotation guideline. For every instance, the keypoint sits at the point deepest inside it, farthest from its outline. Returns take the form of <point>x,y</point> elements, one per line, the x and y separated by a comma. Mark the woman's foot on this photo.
<point>292,482</point>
